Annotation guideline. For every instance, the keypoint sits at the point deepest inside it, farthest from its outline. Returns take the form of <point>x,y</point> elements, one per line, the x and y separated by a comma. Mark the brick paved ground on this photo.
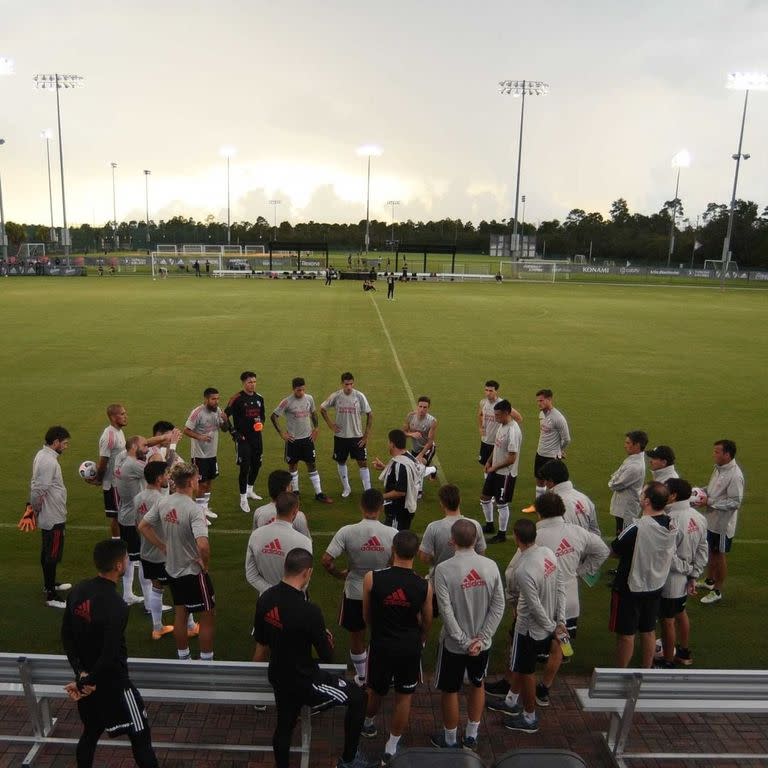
<point>563,725</point>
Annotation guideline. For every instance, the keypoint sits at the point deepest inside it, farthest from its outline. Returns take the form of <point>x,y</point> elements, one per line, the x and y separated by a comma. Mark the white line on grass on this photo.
<point>404,379</point>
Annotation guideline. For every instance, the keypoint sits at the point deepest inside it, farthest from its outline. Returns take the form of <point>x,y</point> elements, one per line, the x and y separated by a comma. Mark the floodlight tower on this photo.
<point>393,203</point>
<point>146,198</point>
<point>369,151</point>
<point>521,88</point>
<point>57,82</point>
<point>3,236</point>
<point>46,134</point>
<point>228,153</point>
<point>274,204</point>
<point>115,242</point>
<point>681,160</point>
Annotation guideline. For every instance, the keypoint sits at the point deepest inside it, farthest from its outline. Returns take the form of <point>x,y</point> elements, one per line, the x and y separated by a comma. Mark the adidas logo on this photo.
<point>692,526</point>
<point>397,598</point>
<point>273,548</point>
<point>83,611</point>
<point>472,579</point>
<point>171,516</point>
<point>580,509</point>
<point>273,617</point>
<point>549,566</point>
<point>372,545</point>
<point>564,548</point>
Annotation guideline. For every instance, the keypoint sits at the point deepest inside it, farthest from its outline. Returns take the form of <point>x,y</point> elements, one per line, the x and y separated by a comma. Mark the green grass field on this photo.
<point>687,365</point>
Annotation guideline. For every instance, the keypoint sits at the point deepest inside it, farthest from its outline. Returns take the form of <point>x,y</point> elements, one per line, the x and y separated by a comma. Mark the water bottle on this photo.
<point>565,644</point>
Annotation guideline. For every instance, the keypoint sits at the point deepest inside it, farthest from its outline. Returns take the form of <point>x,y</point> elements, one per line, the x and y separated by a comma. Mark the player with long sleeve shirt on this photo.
<point>723,496</point>
<point>279,481</point>
<point>349,437</point>
<point>688,563</point>
<point>470,596</point>
<point>579,508</point>
<point>402,476</point>
<point>486,420</point>
<point>248,414</point>
<point>93,636</point>
<point>661,460</point>
<point>627,481</point>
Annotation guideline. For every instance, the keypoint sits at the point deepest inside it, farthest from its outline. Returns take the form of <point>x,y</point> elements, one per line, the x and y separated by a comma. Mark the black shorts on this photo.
<point>195,593</point>
<point>207,469</point>
<point>154,571</point>
<point>499,487</point>
<point>718,542</point>
<point>300,450</point>
<point>525,651</point>
<point>428,456</point>
<point>116,710</point>
<point>672,606</point>
<point>451,668</point>
<point>132,538</point>
<point>249,452</point>
<point>346,447</point>
<point>634,612</point>
<point>485,453</point>
<point>351,615</point>
<point>387,667</point>
<point>110,502</point>
<point>538,463</point>
<point>330,691</point>
<point>572,625</point>
<point>53,544</point>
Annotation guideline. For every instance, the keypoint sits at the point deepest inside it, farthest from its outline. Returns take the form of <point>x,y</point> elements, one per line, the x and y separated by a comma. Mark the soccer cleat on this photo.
<point>500,705</point>
<point>53,600</point>
<point>369,731</point>
<point>706,584</point>
<point>542,695</point>
<point>529,510</point>
<point>254,496</point>
<point>713,597</point>
<point>346,491</point>
<point>658,651</point>
<point>519,723</point>
<point>488,528</point>
<point>358,761</point>
<point>499,538</point>
<point>158,633</point>
<point>662,664</point>
<point>132,599</point>
<point>210,513</point>
<point>683,657</point>
<point>498,688</point>
<point>194,630</point>
<point>430,471</point>
<point>438,740</point>
<point>469,742</point>
<point>63,586</point>
<point>323,499</point>
<point>244,505</point>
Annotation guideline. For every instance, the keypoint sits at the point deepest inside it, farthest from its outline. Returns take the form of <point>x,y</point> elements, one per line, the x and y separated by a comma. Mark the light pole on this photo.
<point>521,88</point>
<point>739,81</point>
<point>393,203</point>
<point>522,225</point>
<point>3,236</point>
<point>369,151</point>
<point>681,160</point>
<point>228,153</point>
<point>46,134</point>
<point>146,198</point>
<point>274,204</point>
<point>56,82</point>
<point>115,242</point>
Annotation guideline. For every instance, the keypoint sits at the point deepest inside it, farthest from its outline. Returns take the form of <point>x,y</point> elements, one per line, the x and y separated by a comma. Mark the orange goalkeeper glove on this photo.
<point>28,521</point>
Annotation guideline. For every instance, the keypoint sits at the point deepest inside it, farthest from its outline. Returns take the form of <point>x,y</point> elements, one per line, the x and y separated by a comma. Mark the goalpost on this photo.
<point>549,270</point>
<point>31,252</point>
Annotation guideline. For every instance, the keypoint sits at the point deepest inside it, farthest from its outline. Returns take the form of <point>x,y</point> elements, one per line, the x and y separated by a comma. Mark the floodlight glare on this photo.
<point>6,66</point>
<point>682,159</point>
<point>748,81</point>
<point>227,151</point>
<point>46,133</point>
<point>370,150</point>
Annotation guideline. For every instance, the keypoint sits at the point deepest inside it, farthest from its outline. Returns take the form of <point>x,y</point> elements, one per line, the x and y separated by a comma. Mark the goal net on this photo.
<point>255,250</point>
<point>549,270</point>
<point>31,252</point>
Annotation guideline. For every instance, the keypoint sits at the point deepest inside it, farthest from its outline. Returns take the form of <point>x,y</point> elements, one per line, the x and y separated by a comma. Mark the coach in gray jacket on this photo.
<point>627,481</point>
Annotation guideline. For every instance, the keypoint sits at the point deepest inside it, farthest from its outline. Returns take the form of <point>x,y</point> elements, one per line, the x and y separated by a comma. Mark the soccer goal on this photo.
<point>255,250</point>
<point>31,252</point>
<point>549,270</point>
<point>166,249</point>
<point>717,265</point>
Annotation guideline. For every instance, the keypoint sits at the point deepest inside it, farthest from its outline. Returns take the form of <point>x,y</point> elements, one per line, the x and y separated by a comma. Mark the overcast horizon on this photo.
<point>297,91</point>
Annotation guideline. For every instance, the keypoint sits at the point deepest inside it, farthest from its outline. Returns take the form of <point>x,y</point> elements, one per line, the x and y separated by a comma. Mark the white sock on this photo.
<point>503,517</point>
<point>471,729</point>
<point>359,660</point>
<point>343,474</point>
<point>540,490</point>
<point>450,736</point>
<point>314,478</point>
<point>487,510</point>
<point>365,476</point>
<point>512,699</point>
<point>248,489</point>
<point>529,717</point>
<point>391,746</point>
<point>128,579</point>
<point>206,655</point>
<point>191,621</point>
<point>183,653</point>
<point>146,588</point>
<point>295,480</point>
<point>156,608</point>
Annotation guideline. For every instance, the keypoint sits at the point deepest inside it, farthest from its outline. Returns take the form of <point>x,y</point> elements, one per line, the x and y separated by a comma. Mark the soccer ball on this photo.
<point>87,470</point>
<point>697,497</point>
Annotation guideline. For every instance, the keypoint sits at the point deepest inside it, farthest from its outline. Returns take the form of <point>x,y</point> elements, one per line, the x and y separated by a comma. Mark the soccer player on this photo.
<point>421,426</point>
<point>111,445</point>
<point>93,636</point>
<point>486,420</point>
<point>721,504</point>
<point>286,627</point>
<point>300,434</point>
<point>202,427</point>
<point>470,596</point>
<point>397,606</point>
<point>268,545</point>
<point>501,471</point>
<point>627,481</point>
<point>402,476</point>
<point>391,286</point>
<point>48,500</point>
<point>645,548</point>
<point>688,563</point>
<point>662,462</point>
<point>246,409</point>
<point>349,438</point>
<point>579,508</point>
<point>367,546</point>
<point>554,438</point>
<point>278,481</point>
<point>184,540</point>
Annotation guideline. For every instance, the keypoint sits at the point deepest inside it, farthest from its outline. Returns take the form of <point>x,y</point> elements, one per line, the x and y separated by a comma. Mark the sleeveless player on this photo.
<point>111,445</point>
<point>299,435</point>
<point>421,426</point>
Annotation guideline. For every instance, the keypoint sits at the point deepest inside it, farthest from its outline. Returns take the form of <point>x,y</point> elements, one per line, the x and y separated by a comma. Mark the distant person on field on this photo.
<point>627,481</point>
<point>661,459</point>
<point>391,286</point>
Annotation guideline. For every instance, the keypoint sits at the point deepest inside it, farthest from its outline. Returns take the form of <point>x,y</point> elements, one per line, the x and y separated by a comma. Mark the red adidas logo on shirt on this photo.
<point>273,548</point>
<point>693,526</point>
<point>83,611</point>
<point>549,566</point>
<point>372,545</point>
<point>580,509</point>
<point>564,548</point>
<point>473,579</point>
<point>397,598</point>
<point>171,516</point>
<point>273,617</point>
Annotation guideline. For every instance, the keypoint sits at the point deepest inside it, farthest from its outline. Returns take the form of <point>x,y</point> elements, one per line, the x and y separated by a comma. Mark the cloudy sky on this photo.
<point>297,86</point>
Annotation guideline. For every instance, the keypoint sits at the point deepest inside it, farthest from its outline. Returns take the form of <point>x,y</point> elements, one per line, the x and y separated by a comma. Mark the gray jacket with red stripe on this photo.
<point>47,495</point>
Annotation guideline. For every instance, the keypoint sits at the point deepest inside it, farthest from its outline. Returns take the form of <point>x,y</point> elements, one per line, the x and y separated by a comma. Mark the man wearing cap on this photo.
<point>662,462</point>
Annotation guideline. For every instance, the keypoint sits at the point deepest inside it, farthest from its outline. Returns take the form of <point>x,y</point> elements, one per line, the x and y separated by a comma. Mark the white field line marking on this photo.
<point>404,379</point>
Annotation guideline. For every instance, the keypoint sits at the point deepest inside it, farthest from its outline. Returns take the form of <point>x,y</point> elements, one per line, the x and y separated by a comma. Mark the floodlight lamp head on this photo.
<point>682,159</point>
<point>6,66</point>
<point>275,202</point>
<point>747,81</point>
<point>393,202</point>
<point>114,165</point>
<point>2,141</point>
<point>227,151</point>
<point>370,150</point>
<point>520,87</point>
<point>48,82</point>
<point>46,134</point>
<point>146,173</point>
<point>746,156</point>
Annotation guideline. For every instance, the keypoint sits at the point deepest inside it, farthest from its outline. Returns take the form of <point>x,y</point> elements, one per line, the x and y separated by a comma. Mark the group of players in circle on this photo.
<point>159,507</point>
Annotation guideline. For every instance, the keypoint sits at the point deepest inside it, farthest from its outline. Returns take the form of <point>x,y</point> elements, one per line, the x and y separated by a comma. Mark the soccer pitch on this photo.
<point>685,364</point>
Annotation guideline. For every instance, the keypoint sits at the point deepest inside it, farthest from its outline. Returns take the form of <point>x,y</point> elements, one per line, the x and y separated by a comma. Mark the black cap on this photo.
<point>662,452</point>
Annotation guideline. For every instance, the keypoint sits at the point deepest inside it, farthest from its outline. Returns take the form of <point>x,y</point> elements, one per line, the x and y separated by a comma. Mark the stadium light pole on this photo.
<point>46,134</point>
<point>274,204</point>
<point>369,151</point>
<point>681,160</point>
<point>3,236</point>
<point>521,88</point>
<point>228,153</point>
<point>57,82</point>
<point>146,198</point>
<point>393,203</point>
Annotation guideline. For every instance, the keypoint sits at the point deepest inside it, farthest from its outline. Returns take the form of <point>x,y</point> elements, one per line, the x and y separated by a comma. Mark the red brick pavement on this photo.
<point>563,725</point>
